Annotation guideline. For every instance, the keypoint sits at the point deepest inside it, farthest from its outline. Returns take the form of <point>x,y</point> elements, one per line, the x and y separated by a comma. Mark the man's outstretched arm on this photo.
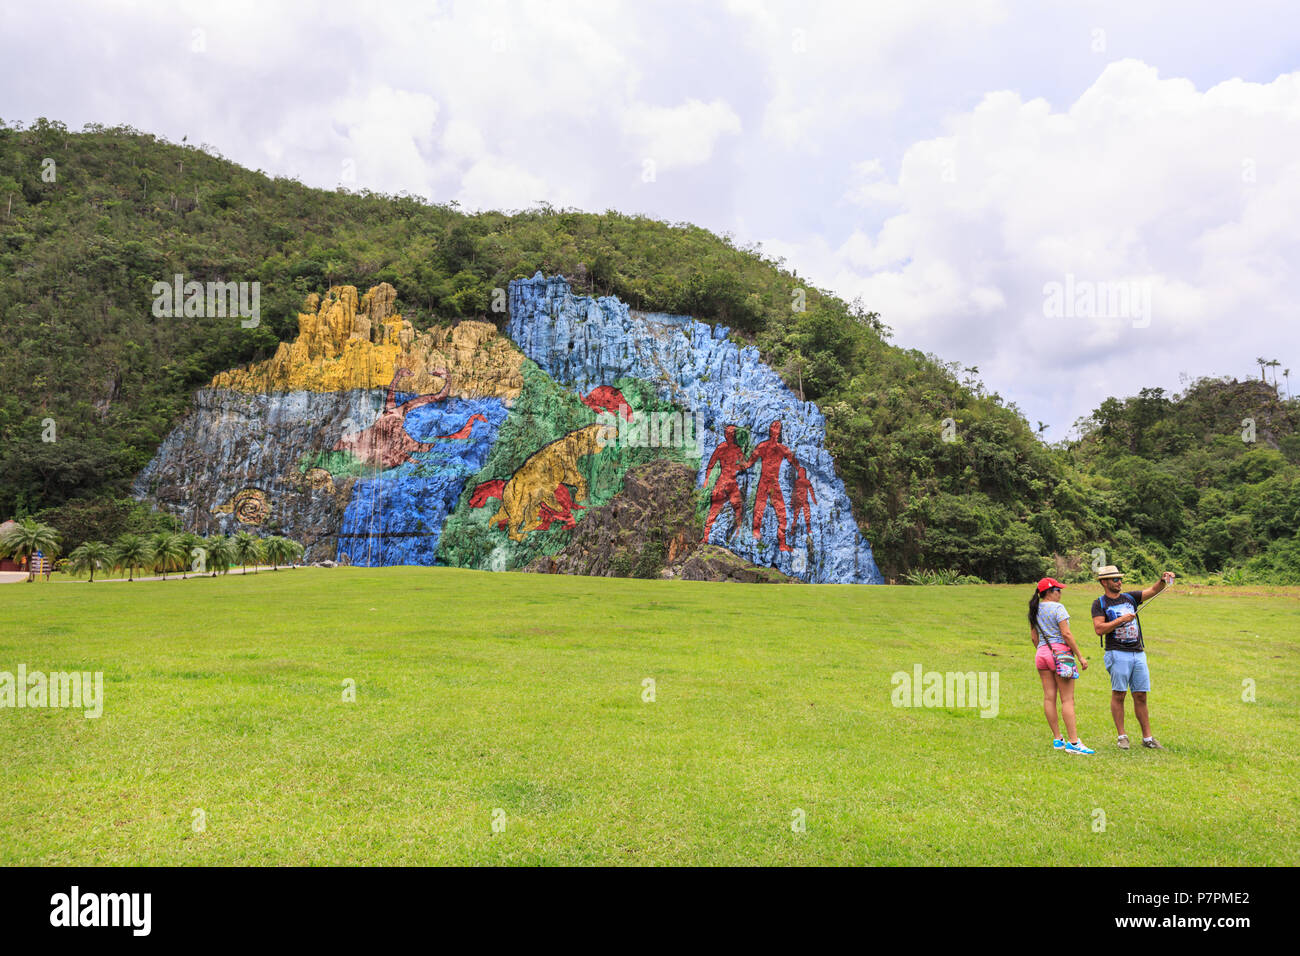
<point>1159,586</point>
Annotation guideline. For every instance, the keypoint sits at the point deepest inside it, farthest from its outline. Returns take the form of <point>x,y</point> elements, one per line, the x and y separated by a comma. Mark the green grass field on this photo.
<point>520,697</point>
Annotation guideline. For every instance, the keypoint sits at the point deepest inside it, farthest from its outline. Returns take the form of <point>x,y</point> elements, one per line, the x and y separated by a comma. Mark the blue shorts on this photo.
<point>1128,670</point>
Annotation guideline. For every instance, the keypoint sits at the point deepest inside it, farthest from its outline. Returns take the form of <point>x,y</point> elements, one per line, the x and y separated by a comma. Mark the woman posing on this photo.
<point>1049,623</point>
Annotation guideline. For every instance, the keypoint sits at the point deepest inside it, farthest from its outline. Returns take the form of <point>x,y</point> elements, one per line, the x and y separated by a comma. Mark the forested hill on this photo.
<point>1208,477</point>
<point>90,221</point>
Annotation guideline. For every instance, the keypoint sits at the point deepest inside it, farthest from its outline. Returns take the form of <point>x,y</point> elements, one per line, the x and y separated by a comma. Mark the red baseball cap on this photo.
<point>1046,583</point>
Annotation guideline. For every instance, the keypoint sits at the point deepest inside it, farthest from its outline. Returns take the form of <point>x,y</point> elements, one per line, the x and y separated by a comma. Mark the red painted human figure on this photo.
<point>770,454</point>
<point>727,457</point>
<point>802,489</point>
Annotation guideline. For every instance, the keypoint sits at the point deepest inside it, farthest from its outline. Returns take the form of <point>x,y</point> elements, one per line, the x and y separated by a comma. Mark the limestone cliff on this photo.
<point>356,438</point>
<point>376,444</point>
<point>344,344</point>
<point>652,523</point>
<point>798,522</point>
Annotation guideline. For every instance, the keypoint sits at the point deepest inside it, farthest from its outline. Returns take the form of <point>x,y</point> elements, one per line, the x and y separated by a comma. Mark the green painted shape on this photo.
<point>340,464</point>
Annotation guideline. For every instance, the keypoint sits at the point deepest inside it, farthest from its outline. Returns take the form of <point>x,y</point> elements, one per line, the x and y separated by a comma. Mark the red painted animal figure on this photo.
<point>466,430</point>
<point>606,398</point>
<point>771,453</point>
<point>386,443</point>
<point>728,457</point>
<point>564,515</point>
<point>802,489</point>
<point>485,492</point>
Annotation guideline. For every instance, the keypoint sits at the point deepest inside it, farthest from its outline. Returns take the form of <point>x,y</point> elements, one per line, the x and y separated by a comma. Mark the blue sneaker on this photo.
<point>1058,744</point>
<point>1079,747</point>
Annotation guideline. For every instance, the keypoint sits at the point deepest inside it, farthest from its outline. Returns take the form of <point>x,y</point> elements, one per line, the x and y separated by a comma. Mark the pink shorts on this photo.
<point>1045,660</point>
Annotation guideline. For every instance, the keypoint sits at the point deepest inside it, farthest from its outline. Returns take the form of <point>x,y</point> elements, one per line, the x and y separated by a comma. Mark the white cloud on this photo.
<point>389,134</point>
<point>871,185</point>
<point>831,64</point>
<point>680,135</point>
<point>1141,179</point>
<point>494,183</point>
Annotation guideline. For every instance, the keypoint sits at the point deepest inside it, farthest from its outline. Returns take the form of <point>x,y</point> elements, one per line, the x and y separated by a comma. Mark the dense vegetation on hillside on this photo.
<point>84,238</point>
<point>1205,480</point>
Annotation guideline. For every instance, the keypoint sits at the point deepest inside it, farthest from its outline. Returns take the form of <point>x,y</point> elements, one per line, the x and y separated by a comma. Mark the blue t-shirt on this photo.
<point>1050,616</point>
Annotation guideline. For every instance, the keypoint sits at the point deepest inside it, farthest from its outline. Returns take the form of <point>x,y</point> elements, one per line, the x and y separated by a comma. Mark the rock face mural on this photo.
<point>584,343</point>
<point>376,444</point>
<point>357,438</point>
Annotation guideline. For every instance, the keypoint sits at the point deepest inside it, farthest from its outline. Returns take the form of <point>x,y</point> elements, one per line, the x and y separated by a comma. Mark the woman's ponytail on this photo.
<point>1033,611</point>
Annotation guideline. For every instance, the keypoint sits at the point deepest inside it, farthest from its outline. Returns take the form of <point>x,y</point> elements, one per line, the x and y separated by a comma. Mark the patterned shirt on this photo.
<point>1050,616</point>
<point>1126,637</point>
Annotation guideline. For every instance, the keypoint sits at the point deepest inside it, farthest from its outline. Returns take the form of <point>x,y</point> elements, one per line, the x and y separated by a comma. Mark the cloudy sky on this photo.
<point>1078,198</point>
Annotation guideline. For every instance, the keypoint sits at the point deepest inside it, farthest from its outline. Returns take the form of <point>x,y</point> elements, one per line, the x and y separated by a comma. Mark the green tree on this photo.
<point>90,556</point>
<point>169,552</point>
<point>25,539</point>
<point>131,551</point>
<point>248,550</point>
<point>191,543</point>
<point>221,554</point>
<point>277,550</point>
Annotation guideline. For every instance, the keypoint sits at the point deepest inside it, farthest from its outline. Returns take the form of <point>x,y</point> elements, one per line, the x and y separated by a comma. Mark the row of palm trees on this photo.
<point>163,552</point>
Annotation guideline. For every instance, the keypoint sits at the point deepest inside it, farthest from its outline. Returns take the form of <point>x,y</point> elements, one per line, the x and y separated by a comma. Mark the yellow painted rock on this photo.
<point>313,479</point>
<point>346,342</point>
<point>249,506</point>
<point>534,482</point>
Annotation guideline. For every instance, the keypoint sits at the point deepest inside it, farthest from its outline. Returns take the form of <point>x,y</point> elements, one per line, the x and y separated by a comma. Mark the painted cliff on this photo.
<point>775,498</point>
<point>357,438</point>
<point>377,444</point>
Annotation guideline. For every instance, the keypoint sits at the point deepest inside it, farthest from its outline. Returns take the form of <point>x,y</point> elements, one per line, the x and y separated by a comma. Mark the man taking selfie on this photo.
<point>1115,619</point>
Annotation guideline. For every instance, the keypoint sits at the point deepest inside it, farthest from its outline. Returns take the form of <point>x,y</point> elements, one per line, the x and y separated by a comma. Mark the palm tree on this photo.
<point>296,551</point>
<point>168,552</point>
<point>1286,374</point>
<point>247,548</point>
<point>131,551</point>
<point>153,541</point>
<point>28,537</point>
<point>1274,363</point>
<point>259,554</point>
<point>1261,362</point>
<point>221,554</point>
<point>191,542</point>
<point>90,556</point>
<point>277,550</point>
